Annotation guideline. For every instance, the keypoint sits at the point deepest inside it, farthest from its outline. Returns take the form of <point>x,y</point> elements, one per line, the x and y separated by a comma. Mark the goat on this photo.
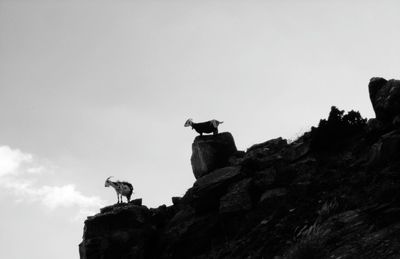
<point>204,127</point>
<point>122,189</point>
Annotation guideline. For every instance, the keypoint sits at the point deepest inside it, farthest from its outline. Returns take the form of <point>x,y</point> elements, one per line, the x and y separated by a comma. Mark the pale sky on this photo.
<point>91,89</point>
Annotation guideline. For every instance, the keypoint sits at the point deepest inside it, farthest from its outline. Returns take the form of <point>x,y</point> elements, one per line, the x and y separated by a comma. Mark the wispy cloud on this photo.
<point>15,165</point>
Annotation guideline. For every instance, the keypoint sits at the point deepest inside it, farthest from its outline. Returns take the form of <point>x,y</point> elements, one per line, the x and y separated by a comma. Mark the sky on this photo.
<point>91,89</point>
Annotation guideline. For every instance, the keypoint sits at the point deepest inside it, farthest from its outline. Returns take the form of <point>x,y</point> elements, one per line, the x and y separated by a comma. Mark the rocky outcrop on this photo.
<point>119,231</point>
<point>276,200</point>
<point>385,98</point>
<point>211,152</point>
<point>386,149</point>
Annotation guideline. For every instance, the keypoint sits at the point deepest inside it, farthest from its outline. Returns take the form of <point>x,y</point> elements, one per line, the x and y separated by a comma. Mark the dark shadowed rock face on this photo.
<point>276,200</point>
<point>385,98</point>
<point>120,231</point>
<point>211,152</point>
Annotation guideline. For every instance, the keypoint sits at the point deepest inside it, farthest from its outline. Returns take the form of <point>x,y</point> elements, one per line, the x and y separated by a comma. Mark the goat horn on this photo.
<point>109,177</point>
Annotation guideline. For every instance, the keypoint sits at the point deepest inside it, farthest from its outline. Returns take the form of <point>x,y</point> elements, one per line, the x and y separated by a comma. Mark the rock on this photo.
<point>374,125</point>
<point>187,236</point>
<point>386,149</point>
<point>385,98</point>
<point>265,178</point>
<point>211,152</point>
<point>137,202</point>
<point>236,158</point>
<point>270,145</point>
<point>264,155</point>
<point>297,151</point>
<point>207,190</point>
<point>258,160</point>
<point>237,198</point>
<point>274,193</point>
<point>176,200</point>
<point>112,233</point>
<point>216,179</point>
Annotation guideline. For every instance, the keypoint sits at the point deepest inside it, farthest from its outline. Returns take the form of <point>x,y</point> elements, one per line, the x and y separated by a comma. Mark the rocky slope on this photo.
<point>332,193</point>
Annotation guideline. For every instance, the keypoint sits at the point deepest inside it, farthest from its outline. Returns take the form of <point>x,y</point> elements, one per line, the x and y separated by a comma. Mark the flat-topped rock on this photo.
<point>211,152</point>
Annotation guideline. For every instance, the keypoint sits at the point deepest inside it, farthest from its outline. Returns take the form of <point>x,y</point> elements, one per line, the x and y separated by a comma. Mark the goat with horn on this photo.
<point>122,189</point>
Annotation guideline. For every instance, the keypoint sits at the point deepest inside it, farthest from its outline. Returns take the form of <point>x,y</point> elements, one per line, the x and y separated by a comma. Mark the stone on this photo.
<point>211,152</point>
<point>374,125</point>
<point>236,158</point>
<point>137,202</point>
<point>114,230</point>
<point>207,190</point>
<point>297,151</point>
<point>237,198</point>
<point>264,155</point>
<point>385,98</point>
<point>386,149</point>
<point>264,178</point>
<point>216,179</point>
<point>274,193</point>
<point>176,200</point>
<point>273,145</point>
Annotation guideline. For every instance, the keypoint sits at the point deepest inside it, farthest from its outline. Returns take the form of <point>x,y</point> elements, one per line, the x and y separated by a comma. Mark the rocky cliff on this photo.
<point>332,193</point>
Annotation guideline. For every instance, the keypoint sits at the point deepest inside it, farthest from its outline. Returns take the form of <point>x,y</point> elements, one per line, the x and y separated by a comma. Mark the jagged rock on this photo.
<point>176,200</point>
<point>117,232</point>
<point>207,190</point>
<point>189,236</point>
<point>270,145</point>
<point>298,150</point>
<point>236,158</point>
<point>137,202</point>
<point>211,152</point>
<point>216,179</point>
<point>265,154</point>
<point>274,193</point>
<point>237,198</point>
<point>374,125</point>
<point>385,98</point>
<point>265,178</point>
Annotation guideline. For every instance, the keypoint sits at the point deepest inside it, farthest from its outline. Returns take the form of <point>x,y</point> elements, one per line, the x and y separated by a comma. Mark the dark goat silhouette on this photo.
<point>204,127</point>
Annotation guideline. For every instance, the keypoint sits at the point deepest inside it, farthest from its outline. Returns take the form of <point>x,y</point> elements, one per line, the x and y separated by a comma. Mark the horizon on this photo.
<point>90,90</point>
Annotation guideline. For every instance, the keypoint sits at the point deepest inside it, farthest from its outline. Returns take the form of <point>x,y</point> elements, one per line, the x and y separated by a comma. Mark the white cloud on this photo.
<point>14,165</point>
<point>36,170</point>
<point>11,160</point>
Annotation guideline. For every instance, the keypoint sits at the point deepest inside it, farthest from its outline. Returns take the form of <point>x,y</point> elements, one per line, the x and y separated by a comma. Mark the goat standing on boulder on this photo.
<point>122,189</point>
<point>204,127</point>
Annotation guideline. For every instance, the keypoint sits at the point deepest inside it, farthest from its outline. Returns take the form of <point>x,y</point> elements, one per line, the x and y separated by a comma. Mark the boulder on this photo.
<point>385,98</point>
<point>211,152</point>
